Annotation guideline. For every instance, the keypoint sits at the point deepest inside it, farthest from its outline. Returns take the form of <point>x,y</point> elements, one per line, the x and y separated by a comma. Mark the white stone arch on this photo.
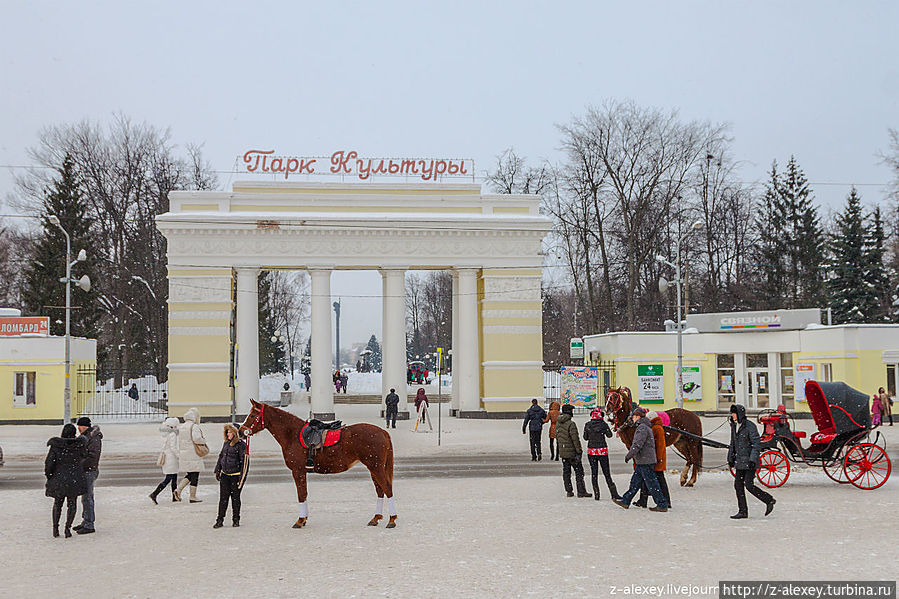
<point>491,243</point>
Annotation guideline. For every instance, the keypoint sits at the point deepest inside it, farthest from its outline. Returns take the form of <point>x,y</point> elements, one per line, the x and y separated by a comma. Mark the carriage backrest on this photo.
<point>837,407</point>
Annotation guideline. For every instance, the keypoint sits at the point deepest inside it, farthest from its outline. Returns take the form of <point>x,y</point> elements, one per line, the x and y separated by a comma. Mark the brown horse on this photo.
<point>364,443</point>
<point>619,406</point>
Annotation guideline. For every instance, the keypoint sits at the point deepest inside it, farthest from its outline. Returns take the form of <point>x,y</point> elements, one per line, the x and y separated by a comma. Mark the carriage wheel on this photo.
<point>867,466</point>
<point>774,469</point>
<point>836,471</point>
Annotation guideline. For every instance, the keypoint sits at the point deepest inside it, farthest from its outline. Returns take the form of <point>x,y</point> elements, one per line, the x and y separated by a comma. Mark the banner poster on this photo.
<point>692,381</point>
<point>579,386</point>
<point>650,383</point>
<point>804,374</point>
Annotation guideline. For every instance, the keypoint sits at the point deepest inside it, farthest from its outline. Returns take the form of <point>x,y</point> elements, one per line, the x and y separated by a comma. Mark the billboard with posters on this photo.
<point>11,326</point>
<point>804,374</point>
<point>579,386</point>
<point>692,380</point>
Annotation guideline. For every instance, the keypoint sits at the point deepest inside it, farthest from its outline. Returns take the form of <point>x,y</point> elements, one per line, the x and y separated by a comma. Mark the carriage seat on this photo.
<point>821,437</point>
<point>799,434</point>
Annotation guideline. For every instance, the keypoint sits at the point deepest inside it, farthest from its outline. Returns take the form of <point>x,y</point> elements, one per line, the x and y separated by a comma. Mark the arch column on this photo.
<point>467,354</point>
<point>454,401</point>
<point>322,392</point>
<point>393,350</point>
<point>247,338</point>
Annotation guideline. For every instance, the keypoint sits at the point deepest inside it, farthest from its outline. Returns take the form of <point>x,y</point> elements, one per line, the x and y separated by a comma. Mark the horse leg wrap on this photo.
<point>304,510</point>
<point>391,507</point>
<point>380,509</point>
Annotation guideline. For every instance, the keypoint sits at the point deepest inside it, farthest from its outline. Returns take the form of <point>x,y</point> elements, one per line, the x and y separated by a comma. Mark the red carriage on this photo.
<point>843,444</point>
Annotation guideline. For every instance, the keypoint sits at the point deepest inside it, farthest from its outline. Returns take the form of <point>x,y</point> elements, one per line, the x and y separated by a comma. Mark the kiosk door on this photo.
<point>758,388</point>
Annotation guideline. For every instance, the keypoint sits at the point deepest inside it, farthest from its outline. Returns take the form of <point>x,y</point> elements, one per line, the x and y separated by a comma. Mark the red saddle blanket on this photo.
<point>331,438</point>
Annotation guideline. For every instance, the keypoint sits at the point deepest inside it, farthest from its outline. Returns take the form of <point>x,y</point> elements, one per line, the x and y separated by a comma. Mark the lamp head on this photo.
<point>661,259</point>
<point>54,220</point>
<point>697,225</point>
<point>663,285</point>
<point>84,283</point>
<point>82,256</point>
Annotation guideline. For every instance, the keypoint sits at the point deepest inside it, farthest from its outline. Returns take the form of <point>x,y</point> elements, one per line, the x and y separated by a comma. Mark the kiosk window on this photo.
<point>725,376</point>
<point>787,385</point>
<point>23,389</point>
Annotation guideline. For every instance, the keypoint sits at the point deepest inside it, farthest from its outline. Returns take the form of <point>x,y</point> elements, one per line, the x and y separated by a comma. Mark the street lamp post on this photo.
<point>85,284</point>
<point>279,337</point>
<point>663,286</point>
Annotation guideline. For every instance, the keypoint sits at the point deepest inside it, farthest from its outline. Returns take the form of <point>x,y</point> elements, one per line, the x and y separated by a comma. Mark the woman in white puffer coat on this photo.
<point>168,457</point>
<point>189,435</point>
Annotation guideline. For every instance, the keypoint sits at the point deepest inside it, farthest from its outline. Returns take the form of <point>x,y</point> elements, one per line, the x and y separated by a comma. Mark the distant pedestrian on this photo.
<point>392,407</point>
<point>553,417</point>
<point>643,452</point>
<point>191,444</point>
<point>886,402</point>
<point>570,451</point>
<point>307,381</point>
<point>743,457</point>
<point>533,422</point>
<point>168,458</point>
<point>65,476</point>
<point>91,466</point>
<point>228,471</point>
<point>421,404</point>
<point>344,379</point>
<point>133,392</point>
<point>596,431</point>
<point>876,410</point>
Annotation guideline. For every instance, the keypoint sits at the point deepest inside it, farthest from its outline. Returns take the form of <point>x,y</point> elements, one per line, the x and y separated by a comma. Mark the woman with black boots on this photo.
<point>228,471</point>
<point>595,433</point>
<point>65,474</point>
<point>168,458</point>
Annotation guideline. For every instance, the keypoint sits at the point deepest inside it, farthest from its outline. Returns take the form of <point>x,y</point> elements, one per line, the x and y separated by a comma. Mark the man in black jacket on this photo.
<point>743,457</point>
<point>392,403</point>
<point>91,467</point>
<point>533,420</point>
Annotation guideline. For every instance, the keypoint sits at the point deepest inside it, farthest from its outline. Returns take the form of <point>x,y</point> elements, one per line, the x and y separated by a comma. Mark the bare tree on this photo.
<point>127,171</point>
<point>290,303</point>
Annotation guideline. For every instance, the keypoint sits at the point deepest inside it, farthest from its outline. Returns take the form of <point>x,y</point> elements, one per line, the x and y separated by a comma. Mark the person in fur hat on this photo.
<point>228,470</point>
<point>168,457</point>
<point>66,479</point>
<point>189,434</point>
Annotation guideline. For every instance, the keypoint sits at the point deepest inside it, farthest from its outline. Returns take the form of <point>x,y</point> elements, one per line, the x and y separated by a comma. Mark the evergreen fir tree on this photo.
<point>771,248</point>
<point>374,359</point>
<point>876,273</point>
<point>41,286</point>
<point>804,240</point>
<point>852,298</point>
<point>271,354</point>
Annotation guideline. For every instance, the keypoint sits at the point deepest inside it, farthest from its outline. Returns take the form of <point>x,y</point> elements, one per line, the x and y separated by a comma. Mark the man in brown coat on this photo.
<point>570,451</point>
<point>658,435</point>
<point>552,417</point>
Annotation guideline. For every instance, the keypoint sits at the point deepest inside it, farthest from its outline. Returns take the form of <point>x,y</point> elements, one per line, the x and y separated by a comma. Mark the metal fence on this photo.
<point>137,400</point>
<point>552,383</point>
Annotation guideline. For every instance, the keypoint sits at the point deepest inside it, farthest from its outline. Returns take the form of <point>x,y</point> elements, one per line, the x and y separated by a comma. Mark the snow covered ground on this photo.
<point>503,537</point>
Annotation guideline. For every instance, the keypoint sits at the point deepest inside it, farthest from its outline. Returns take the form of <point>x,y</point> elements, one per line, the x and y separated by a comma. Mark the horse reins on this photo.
<point>260,418</point>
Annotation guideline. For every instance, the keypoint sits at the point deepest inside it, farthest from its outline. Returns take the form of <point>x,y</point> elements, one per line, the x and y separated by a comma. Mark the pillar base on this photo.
<point>483,414</point>
<point>326,416</point>
<point>399,415</point>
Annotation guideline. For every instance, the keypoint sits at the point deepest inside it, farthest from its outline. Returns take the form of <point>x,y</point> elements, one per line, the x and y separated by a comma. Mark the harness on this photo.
<point>260,418</point>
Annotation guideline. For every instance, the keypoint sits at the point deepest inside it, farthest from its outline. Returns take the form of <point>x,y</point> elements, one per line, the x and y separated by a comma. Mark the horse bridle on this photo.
<point>260,418</point>
<point>612,408</point>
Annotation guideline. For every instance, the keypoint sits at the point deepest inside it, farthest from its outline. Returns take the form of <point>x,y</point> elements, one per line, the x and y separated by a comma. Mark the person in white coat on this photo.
<point>190,435</point>
<point>168,457</point>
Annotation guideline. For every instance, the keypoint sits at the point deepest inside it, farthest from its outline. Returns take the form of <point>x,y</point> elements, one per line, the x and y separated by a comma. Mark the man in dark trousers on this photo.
<point>392,403</point>
<point>743,457</point>
<point>91,467</point>
<point>643,452</point>
<point>570,451</point>
<point>533,421</point>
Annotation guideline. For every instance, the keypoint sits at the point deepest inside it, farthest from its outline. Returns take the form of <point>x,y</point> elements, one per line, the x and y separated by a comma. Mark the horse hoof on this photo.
<point>300,523</point>
<point>374,521</point>
<point>392,523</point>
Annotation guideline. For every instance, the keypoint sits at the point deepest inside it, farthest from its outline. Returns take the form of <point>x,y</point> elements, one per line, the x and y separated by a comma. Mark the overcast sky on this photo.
<point>462,79</point>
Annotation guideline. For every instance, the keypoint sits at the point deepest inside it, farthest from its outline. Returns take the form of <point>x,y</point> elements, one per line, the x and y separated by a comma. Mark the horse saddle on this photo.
<point>316,434</point>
